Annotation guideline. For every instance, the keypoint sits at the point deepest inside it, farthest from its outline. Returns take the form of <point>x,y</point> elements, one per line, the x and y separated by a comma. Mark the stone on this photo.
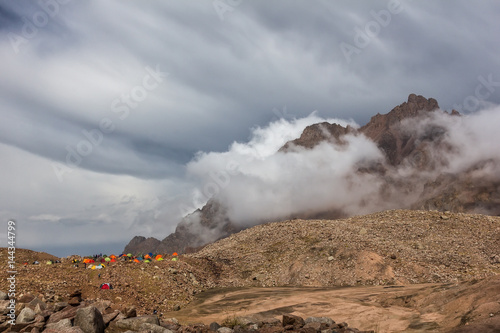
<point>135,323</point>
<point>25,298</point>
<point>107,318</point>
<point>27,315</point>
<point>270,322</point>
<point>316,326</point>
<point>152,328</point>
<point>224,330</point>
<point>3,296</point>
<point>321,320</point>
<point>331,258</point>
<point>102,306</point>
<point>37,302</point>
<point>295,321</point>
<point>59,306</point>
<point>90,320</point>
<point>271,329</point>
<point>214,326</point>
<point>67,312</point>
<point>74,329</point>
<point>130,312</point>
<point>74,301</point>
<point>64,323</point>
<point>4,307</point>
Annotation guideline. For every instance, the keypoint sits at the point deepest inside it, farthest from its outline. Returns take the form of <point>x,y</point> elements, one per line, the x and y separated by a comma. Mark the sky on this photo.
<point>108,108</point>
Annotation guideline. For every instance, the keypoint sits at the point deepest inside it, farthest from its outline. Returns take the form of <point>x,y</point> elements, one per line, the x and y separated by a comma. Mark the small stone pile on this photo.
<point>75,315</point>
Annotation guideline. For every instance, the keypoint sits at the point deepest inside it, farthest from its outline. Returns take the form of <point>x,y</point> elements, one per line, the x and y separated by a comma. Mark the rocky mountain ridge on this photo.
<point>407,174</point>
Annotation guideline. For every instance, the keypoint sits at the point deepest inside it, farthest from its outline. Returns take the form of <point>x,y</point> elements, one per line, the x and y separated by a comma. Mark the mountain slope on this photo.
<point>415,142</point>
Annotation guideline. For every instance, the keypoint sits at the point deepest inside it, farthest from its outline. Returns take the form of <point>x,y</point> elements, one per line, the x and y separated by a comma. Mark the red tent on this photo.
<point>106,286</point>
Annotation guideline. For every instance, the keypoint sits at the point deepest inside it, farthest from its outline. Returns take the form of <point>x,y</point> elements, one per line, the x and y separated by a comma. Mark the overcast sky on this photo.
<point>105,103</point>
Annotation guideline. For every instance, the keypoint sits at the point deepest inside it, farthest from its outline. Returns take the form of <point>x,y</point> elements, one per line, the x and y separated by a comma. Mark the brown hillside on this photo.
<point>393,247</point>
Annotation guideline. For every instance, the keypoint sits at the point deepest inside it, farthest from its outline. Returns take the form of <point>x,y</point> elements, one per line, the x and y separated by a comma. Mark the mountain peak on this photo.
<point>415,105</point>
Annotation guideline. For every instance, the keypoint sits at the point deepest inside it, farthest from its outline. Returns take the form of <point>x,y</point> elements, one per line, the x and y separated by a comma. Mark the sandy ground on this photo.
<point>358,306</point>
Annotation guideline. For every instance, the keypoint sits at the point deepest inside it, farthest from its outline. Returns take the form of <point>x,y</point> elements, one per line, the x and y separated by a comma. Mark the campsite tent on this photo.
<point>106,286</point>
<point>107,259</point>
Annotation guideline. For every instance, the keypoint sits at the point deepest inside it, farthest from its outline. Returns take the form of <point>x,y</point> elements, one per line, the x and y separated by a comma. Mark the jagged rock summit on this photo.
<point>407,175</point>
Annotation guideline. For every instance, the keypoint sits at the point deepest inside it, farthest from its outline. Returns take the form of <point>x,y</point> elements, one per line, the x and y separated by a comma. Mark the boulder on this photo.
<point>67,312</point>
<point>152,328</point>
<point>3,296</point>
<point>4,307</point>
<point>90,320</point>
<point>74,301</point>
<point>27,315</point>
<point>61,324</point>
<point>224,330</point>
<point>60,305</point>
<point>74,329</point>
<point>315,326</point>
<point>295,321</point>
<point>25,298</point>
<point>133,324</point>
<point>110,316</point>
<point>214,326</point>
<point>321,320</point>
<point>37,302</point>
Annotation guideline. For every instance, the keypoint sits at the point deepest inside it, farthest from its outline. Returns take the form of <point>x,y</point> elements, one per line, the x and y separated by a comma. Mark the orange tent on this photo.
<point>112,260</point>
<point>88,261</point>
<point>136,260</point>
<point>112,256</point>
<point>175,254</point>
<point>158,257</point>
<point>147,256</point>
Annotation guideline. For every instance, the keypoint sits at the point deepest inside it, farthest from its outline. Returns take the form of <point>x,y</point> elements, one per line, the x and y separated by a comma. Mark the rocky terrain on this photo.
<point>457,255</point>
<point>413,174</point>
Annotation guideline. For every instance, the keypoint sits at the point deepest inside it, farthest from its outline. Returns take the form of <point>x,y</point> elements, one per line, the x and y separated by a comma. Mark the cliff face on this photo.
<point>411,156</point>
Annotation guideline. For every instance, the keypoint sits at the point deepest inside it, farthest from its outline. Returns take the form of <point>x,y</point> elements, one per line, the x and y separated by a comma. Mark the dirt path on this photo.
<point>358,306</point>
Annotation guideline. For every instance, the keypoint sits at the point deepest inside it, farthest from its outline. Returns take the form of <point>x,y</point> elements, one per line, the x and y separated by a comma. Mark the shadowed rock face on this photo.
<point>314,134</point>
<point>402,147</point>
<point>140,244</point>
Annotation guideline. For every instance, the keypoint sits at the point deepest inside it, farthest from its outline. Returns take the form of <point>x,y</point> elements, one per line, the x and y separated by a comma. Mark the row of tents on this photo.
<point>127,257</point>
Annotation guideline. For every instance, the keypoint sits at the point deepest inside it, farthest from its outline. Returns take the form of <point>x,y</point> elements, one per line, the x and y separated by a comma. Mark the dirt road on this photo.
<point>360,307</point>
